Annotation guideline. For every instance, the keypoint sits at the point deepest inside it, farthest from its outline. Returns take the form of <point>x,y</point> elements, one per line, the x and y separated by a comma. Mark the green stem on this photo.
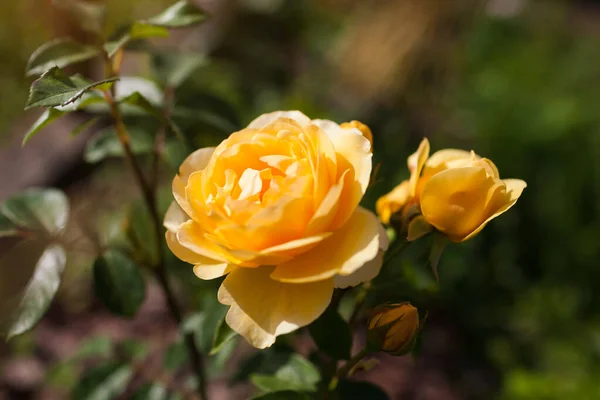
<point>160,270</point>
<point>345,369</point>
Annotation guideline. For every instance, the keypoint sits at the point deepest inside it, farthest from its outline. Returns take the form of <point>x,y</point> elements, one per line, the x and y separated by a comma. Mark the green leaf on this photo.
<point>7,228</point>
<point>54,88</point>
<point>218,361</point>
<point>174,153</point>
<point>217,113</point>
<point>40,289</point>
<point>360,390</point>
<point>84,126</point>
<point>61,375</point>
<point>118,283</point>
<point>283,395</point>
<point>99,346</point>
<point>151,391</point>
<point>175,68</point>
<point>268,383</point>
<point>204,324</point>
<point>223,335</point>
<point>59,53</point>
<point>206,119</point>
<point>175,356</point>
<point>133,349</point>
<point>138,100</point>
<point>106,144</point>
<point>300,371</point>
<point>140,233</point>
<point>90,99</point>
<point>418,228</point>
<point>179,15</point>
<point>136,31</point>
<point>332,335</point>
<point>435,254</point>
<point>266,361</point>
<point>298,374</point>
<point>47,117</point>
<point>38,209</point>
<point>104,382</point>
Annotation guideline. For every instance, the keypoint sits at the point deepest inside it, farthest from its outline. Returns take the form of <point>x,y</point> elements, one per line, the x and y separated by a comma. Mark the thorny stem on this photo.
<point>149,194</point>
<point>345,369</point>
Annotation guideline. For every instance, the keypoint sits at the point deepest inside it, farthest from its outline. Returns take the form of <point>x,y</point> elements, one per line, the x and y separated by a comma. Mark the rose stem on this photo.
<point>345,369</point>
<point>160,271</point>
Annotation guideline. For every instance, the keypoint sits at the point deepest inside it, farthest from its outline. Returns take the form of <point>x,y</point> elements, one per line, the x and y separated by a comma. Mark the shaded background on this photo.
<point>516,314</point>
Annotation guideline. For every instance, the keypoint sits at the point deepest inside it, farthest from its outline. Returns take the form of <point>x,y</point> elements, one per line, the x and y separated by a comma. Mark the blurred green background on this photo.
<point>516,314</point>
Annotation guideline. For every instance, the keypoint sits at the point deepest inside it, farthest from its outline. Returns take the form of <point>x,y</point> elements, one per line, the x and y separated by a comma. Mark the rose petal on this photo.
<point>265,119</point>
<point>174,217</point>
<point>416,162</point>
<point>191,236</point>
<point>454,200</point>
<point>204,267</point>
<point>514,188</point>
<point>323,219</point>
<point>365,273</point>
<point>442,159</point>
<point>196,161</point>
<point>348,249</point>
<point>262,309</point>
<point>353,153</point>
<point>279,254</point>
<point>392,202</point>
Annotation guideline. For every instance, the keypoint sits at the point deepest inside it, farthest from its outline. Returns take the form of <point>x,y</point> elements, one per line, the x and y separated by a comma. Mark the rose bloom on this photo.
<point>275,208</point>
<point>456,191</point>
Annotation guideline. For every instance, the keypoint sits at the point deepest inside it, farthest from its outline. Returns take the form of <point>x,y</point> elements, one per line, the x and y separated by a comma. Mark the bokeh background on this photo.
<point>516,313</point>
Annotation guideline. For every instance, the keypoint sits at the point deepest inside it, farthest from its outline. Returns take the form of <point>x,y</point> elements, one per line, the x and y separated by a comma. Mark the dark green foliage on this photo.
<point>35,298</point>
<point>54,88</point>
<point>297,374</point>
<point>118,283</point>
<point>179,15</point>
<point>34,266</point>
<point>47,117</point>
<point>104,382</point>
<point>283,395</point>
<point>7,228</point>
<point>223,335</point>
<point>44,210</point>
<point>136,31</point>
<point>332,335</point>
<point>175,356</point>
<point>59,53</point>
<point>356,390</point>
<point>106,144</point>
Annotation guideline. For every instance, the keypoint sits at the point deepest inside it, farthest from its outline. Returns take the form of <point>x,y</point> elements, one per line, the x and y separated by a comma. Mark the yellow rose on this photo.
<point>393,202</point>
<point>275,208</point>
<point>457,191</point>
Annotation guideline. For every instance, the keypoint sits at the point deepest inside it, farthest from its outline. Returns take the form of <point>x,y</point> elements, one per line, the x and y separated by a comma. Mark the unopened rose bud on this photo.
<point>393,328</point>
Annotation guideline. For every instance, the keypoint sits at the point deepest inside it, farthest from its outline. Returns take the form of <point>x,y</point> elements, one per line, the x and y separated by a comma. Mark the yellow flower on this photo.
<point>393,202</point>
<point>393,328</point>
<point>275,208</point>
<point>365,130</point>
<point>457,191</point>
